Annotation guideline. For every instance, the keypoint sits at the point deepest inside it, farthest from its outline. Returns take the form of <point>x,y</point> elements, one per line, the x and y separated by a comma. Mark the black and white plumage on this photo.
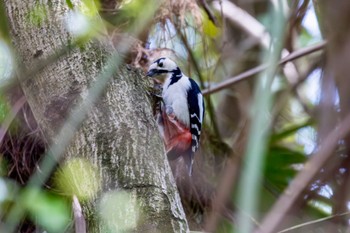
<point>182,114</point>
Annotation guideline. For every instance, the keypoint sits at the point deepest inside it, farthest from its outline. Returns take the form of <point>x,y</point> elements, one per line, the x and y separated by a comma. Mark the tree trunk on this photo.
<point>119,134</point>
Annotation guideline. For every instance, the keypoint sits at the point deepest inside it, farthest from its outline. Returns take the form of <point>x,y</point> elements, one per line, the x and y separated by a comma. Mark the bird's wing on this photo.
<point>196,112</point>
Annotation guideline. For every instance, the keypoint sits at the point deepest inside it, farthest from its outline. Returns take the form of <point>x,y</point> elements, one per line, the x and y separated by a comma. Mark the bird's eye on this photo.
<point>160,64</point>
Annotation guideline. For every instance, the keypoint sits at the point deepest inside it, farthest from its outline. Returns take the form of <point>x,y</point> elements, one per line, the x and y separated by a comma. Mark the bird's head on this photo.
<point>162,66</point>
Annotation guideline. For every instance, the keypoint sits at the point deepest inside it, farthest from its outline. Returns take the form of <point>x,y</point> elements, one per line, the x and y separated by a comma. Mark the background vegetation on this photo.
<point>274,153</point>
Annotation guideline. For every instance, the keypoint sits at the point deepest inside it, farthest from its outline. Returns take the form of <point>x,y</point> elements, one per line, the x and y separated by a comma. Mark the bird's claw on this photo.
<point>157,95</point>
<point>170,112</point>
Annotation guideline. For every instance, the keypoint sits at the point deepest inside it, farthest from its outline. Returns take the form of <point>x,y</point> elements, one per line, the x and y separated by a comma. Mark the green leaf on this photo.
<point>279,168</point>
<point>289,131</point>
<point>70,4</point>
<point>209,27</point>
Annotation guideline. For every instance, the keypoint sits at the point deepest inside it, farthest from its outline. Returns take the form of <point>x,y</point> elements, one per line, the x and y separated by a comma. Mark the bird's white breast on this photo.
<point>175,96</point>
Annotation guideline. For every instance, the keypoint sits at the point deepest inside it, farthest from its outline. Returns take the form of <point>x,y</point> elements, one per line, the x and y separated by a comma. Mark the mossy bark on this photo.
<point>119,135</point>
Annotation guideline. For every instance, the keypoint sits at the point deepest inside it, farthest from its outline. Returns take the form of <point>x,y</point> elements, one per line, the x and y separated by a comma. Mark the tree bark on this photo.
<point>119,134</point>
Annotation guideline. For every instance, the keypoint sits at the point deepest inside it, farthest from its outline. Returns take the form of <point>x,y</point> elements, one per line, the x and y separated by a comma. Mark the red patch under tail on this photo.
<point>177,137</point>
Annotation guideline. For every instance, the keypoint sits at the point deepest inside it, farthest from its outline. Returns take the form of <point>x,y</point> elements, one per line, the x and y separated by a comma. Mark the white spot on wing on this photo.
<point>195,115</point>
<point>194,149</point>
<point>194,126</point>
<point>200,104</point>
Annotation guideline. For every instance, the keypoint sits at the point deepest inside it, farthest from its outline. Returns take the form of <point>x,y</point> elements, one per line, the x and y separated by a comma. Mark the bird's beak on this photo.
<point>151,72</point>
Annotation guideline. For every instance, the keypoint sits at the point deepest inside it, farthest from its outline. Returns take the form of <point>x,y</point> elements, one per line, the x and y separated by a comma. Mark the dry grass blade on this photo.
<point>79,220</point>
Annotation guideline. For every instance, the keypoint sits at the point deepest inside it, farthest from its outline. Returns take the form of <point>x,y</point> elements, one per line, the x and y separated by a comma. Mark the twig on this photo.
<point>254,29</point>
<point>244,21</point>
<point>314,222</point>
<point>293,89</point>
<point>240,77</point>
<point>285,203</point>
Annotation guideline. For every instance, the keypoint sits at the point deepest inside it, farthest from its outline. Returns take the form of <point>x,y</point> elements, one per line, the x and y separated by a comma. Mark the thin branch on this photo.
<point>242,76</point>
<point>314,222</point>
<point>293,89</point>
<point>311,169</point>
<point>254,29</point>
<point>244,21</point>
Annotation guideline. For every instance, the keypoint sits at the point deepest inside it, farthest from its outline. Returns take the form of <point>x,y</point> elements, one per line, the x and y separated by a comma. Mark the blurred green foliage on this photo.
<point>48,210</point>
<point>281,164</point>
<point>70,4</point>
<point>127,13</point>
<point>90,7</point>
<point>77,176</point>
<point>121,211</point>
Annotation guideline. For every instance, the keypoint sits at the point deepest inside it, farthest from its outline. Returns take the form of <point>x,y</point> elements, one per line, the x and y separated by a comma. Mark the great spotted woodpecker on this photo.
<point>182,111</point>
